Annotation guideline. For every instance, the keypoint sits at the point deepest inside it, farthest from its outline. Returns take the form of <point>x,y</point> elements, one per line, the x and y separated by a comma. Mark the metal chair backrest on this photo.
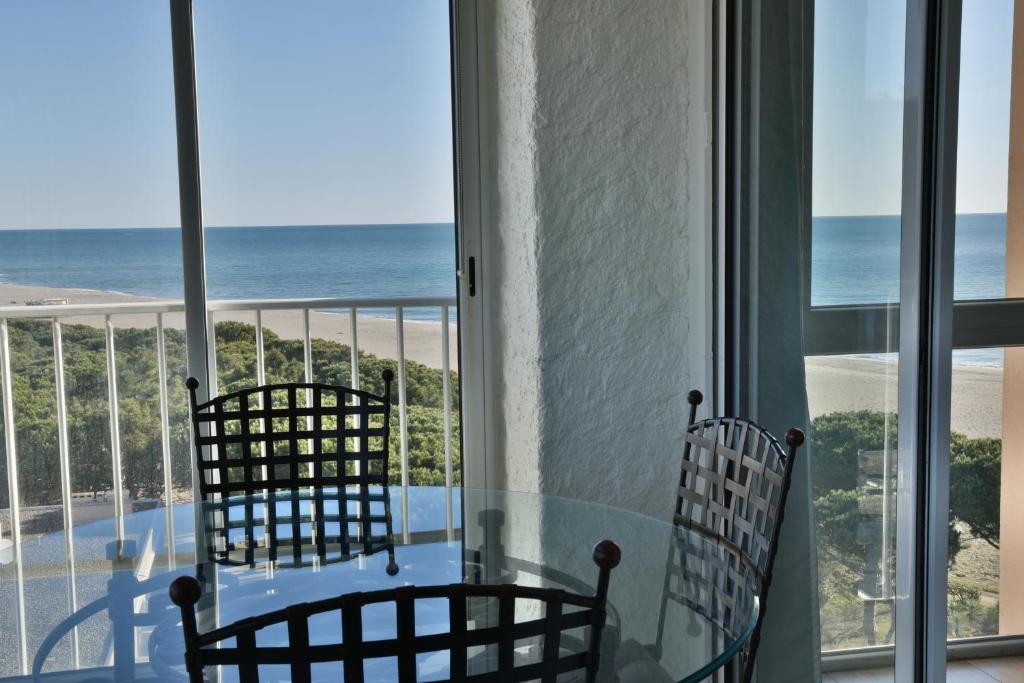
<point>290,436</point>
<point>235,646</point>
<point>733,483</point>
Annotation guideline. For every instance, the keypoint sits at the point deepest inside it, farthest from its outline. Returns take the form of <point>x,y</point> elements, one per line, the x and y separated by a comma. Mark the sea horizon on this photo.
<point>855,259</point>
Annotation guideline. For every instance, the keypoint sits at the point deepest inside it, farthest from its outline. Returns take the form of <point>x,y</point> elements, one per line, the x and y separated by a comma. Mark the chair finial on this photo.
<point>387,375</point>
<point>185,591</point>
<point>695,398</point>
<point>192,383</point>
<point>794,437</point>
<point>607,555</point>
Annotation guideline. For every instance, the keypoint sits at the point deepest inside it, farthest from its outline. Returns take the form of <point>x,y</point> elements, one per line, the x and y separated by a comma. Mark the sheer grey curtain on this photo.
<point>771,153</point>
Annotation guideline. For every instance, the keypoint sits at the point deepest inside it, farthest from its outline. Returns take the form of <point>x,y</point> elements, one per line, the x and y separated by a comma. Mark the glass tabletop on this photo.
<point>680,604</point>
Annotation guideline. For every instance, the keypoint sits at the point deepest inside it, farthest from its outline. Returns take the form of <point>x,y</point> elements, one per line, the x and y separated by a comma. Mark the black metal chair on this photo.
<point>733,484</point>
<point>235,645</point>
<point>250,440</point>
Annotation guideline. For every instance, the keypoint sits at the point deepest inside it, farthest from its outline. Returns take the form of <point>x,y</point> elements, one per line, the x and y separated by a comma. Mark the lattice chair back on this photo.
<point>290,436</point>
<point>734,481</point>
<point>235,646</point>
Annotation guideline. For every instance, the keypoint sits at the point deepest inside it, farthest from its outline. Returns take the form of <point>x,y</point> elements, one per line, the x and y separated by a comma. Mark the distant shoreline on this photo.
<point>867,383</point>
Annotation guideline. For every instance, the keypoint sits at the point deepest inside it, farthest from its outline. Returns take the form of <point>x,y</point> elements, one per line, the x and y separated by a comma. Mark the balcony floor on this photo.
<point>1001,669</point>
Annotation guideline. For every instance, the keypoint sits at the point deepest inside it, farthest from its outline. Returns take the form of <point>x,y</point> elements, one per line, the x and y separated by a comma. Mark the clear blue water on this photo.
<point>243,263</point>
<point>855,259</point>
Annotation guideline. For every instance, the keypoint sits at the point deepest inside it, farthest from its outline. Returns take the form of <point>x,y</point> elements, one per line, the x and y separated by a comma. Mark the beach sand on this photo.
<point>841,383</point>
<point>377,336</point>
<point>834,383</point>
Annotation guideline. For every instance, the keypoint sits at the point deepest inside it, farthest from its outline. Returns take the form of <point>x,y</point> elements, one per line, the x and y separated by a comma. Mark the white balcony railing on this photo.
<point>59,316</point>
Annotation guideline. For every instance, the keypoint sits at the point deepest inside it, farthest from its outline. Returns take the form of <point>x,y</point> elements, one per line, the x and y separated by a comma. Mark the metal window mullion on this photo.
<point>926,336</point>
<point>65,478</point>
<point>403,430</point>
<point>190,201</point>
<point>165,437</point>
<point>117,471</point>
<point>471,127</point>
<point>14,494</point>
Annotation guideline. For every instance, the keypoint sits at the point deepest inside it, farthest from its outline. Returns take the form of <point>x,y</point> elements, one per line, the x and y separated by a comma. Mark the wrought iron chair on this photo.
<point>235,645</point>
<point>249,441</point>
<point>733,484</point>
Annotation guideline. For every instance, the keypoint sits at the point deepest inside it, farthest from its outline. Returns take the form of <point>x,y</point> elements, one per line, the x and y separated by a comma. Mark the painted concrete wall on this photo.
<point>1011,505</point>
<point>591,138</point>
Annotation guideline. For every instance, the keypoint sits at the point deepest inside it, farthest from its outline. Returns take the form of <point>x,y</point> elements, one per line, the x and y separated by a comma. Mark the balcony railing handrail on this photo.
<point>49,311</point>
<point>58,313</point>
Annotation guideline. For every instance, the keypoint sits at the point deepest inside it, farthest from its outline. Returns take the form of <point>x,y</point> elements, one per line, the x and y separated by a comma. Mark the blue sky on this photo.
<point>858,84</point>
<point>319,112</point>
<point>333,111</point>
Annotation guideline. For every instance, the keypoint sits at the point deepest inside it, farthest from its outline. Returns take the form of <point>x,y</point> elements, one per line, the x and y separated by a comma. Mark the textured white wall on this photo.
<point>590,245</point>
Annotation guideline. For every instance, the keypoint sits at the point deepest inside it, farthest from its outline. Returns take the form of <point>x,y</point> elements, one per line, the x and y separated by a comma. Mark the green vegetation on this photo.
<point>847,503</point>
<point>85,370</point>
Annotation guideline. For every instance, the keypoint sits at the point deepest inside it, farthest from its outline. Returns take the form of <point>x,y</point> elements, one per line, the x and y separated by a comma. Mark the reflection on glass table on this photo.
<point>680,605</point>
<point>300,528</point>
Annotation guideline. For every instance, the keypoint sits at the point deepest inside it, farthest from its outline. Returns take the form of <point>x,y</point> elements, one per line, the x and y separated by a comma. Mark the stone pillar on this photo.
<point>597,321</point>
<point>1011,506</point>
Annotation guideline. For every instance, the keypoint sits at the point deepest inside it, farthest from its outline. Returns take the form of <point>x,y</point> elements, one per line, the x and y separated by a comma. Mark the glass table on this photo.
<point>681,605</point>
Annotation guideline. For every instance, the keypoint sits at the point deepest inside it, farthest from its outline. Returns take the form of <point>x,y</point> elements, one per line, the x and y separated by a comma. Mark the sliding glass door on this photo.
<point>328,207</point>
<point>245,192</point>
<point>874,155</point>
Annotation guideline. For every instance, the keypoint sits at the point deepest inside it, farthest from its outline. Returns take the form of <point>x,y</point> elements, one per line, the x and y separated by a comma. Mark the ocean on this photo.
<point>855,259</point>
<point>243,263</point>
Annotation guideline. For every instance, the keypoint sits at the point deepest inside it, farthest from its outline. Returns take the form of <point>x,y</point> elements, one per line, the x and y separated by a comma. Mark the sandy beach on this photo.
<point>377,336</point>
<point>836,383</point>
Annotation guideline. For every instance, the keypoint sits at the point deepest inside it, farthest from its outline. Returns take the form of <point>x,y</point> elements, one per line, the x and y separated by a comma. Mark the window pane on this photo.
<point>858,133</point>
<point>327,173</point>
<point>857,152</point>
<point>855,259</point>
<point>983,149</point>
<point>977,598</point>
<point>89,216</point>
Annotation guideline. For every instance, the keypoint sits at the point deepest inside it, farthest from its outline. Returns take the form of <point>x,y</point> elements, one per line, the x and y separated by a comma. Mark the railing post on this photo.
<point>353,352</point>
<point>10,443</point>
<point>447,396</point>
<point>261,364</point>
<point>211,352</point>
<point>165,437</point>
<point>402,418</point>
<point>261,379</point>
<point>307,371</point>
<point>117,474</point>
<point>65,477</point>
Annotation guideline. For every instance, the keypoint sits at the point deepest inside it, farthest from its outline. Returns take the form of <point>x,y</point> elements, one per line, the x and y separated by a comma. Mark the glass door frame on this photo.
<point>931,323</point>
<point>201,356</point>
